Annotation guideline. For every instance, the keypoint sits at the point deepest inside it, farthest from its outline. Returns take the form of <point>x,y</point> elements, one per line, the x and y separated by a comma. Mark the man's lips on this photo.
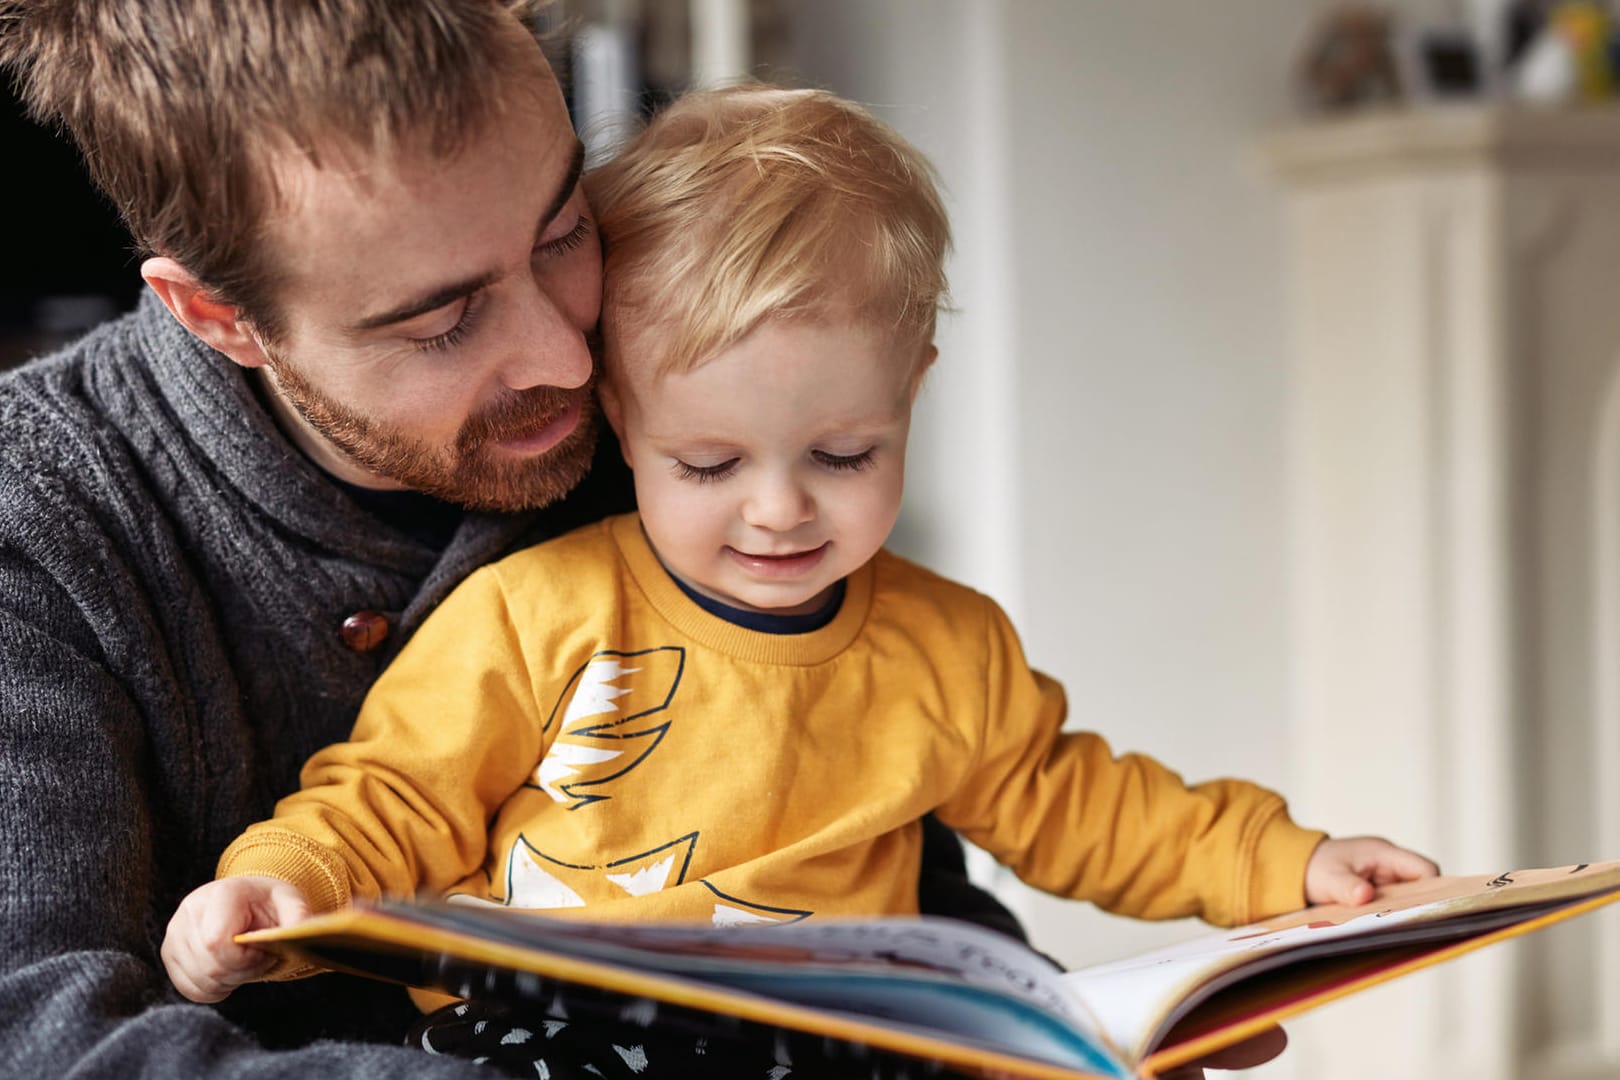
<point>550,434</point>
<point>788,565</point>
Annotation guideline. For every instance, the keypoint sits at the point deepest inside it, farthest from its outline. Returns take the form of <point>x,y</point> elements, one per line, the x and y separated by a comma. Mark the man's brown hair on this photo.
<point>177,105</point>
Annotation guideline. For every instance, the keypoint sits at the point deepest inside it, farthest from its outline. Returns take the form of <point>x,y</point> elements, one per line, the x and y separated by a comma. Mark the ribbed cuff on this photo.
<point>317,872</point>
<point>1279,855</point>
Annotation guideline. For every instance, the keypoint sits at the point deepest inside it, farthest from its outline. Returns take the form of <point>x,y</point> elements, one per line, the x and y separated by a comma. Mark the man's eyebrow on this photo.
<point>438,298</point>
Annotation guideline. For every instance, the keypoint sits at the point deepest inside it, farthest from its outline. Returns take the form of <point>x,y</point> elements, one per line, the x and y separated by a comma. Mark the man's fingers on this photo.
<point>1249,1053</point>
<point>1255,1050</point>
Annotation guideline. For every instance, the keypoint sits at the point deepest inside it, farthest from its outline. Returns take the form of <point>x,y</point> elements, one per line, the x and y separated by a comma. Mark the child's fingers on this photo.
<point>180,974</point>
<point>201,974</point>
<point>1384,863</point>
<point>200,951</point>
<point>1348,887</point>
<point>1348,870</point>
<point>286,904</point>
<point>1402,865</point>
<point>177,953</point>
<point>219,922</point>
<point>203,978</point>
<point>220,965</point>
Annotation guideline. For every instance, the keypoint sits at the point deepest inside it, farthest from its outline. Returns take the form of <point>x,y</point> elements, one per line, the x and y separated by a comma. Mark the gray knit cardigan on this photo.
<point>173,576</point>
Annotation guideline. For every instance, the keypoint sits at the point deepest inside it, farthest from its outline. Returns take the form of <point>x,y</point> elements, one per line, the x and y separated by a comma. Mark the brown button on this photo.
<point>365,630</point>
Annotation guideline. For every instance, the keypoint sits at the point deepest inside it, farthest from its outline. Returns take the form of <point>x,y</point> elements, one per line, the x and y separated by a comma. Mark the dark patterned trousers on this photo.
<point>581,1034</point>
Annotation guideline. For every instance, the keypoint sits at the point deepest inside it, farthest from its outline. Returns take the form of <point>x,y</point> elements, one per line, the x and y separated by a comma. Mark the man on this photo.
<point>361,371</point>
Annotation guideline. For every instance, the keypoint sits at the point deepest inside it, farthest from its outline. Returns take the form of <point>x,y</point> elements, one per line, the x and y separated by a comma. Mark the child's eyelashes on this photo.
<point>705,474</point>
<point>840,462</point>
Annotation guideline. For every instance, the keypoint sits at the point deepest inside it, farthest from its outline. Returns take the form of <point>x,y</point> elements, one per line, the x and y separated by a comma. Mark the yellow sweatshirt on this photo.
<point>571,730</point>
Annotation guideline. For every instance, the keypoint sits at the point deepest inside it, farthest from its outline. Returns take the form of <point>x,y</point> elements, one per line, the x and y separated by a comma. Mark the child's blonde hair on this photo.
<point>749,203</point>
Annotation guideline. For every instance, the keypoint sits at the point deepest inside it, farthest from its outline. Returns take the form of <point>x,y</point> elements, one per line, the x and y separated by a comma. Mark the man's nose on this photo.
<point>779,503</point>
<point>544,348</point>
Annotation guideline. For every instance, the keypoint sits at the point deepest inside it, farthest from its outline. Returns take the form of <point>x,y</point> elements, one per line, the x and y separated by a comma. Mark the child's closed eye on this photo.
<point>704,474</point>
<point>839,462</point>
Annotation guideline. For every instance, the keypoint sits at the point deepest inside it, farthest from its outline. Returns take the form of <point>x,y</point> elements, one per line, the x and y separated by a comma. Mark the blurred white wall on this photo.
<point>1105,444</point>
<point>1102,444</point>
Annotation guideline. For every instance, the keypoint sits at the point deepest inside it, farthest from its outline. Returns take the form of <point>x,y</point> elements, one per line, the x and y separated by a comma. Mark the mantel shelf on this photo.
<point>1446,137</point>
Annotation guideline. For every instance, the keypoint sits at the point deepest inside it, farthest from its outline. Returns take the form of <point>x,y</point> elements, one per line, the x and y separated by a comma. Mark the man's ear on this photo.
<point>613,408</point>
<point>925,360</point>
<point>218,324</point>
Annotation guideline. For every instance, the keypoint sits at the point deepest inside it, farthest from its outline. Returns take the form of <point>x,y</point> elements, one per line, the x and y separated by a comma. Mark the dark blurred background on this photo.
<point>70,263</point>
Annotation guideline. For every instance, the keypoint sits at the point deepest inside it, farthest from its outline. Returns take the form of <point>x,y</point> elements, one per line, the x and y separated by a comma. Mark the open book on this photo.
<point>952,992</point>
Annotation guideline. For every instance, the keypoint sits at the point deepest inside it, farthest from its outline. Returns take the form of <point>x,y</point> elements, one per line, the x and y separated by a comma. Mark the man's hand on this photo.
<point>203,960</point>
<point>1255,1050</point>
<point>1349,871</point>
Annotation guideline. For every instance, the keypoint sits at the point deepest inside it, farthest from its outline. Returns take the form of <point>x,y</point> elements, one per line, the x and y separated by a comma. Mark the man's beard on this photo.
<point>470,472</point>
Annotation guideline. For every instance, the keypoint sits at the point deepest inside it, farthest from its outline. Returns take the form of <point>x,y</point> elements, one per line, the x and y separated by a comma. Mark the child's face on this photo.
<point>770,472</point>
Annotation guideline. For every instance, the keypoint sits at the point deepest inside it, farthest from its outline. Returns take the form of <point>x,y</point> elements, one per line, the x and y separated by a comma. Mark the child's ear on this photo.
<point>218,324</point>
<point>613,408</point>
<point>925,360</point>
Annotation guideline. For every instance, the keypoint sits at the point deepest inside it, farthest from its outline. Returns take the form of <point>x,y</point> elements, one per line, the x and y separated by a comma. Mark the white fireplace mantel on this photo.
<point>1455,492</point>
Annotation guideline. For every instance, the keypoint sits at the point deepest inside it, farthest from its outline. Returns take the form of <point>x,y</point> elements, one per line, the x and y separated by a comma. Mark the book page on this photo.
<point>934,987</point>
<point>945,947</point>
<point>1136,999</point>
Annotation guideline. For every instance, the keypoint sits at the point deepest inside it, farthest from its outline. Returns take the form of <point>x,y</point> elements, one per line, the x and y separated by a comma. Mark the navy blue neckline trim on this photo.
<point>763,621</point>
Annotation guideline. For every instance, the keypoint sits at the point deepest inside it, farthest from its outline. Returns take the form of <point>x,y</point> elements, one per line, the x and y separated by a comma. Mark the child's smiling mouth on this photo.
<point>788,564</point>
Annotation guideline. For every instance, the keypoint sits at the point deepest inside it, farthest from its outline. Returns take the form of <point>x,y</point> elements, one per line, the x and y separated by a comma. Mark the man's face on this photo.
<point>436,313</point>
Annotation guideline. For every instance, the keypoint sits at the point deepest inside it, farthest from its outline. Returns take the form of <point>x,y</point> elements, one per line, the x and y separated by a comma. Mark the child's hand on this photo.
<point>1347,871</point>
<point>203,961</point>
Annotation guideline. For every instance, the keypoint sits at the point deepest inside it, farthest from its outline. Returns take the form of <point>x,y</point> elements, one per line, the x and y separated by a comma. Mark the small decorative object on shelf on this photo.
<point>1567,55</point>
<point>1349,62</point>
<point>1438,63</point>
<point>1545,52</point>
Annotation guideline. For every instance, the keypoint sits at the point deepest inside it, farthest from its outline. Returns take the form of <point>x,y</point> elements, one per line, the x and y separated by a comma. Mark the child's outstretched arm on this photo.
<point>1349,870</point>
<point>199,949</point>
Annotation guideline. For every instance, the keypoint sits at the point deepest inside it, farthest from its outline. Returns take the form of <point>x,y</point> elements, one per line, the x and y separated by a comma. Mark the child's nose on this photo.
<point>778,504</point>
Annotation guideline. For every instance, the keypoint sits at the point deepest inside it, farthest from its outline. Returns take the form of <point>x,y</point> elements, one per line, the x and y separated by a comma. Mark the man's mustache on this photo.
<point>521,413</point>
